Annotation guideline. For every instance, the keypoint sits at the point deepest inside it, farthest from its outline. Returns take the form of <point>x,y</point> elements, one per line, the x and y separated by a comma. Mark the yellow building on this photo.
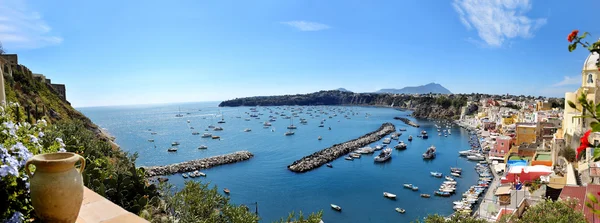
<point>526,133</point>
<point>481,115</point>
<point>508,120</point>
<point>543,106</point>
<point>574,127</point>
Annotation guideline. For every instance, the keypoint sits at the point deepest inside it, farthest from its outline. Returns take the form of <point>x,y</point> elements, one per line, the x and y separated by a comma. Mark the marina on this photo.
<point>265,179</point>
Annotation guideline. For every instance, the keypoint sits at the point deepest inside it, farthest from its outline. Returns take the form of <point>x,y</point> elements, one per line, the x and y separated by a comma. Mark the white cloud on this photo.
<point>21,27</point>
<point>575,80</point>
<point>306,26</point>
<point>497,20</point>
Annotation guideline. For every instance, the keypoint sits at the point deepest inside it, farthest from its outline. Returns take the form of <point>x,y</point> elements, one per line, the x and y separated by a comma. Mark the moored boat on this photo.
<point>425,195</point>
<point>329,165</point>
<point>400,210</point>
<point>335,207</point>
<point>226,190</point>
<point>202,147</point>
<point>430,153</point>
<point>401,146</point>
<point>385,155</point>
<point>436,174</point>
<point>389,195</point>
<point>172,149</point>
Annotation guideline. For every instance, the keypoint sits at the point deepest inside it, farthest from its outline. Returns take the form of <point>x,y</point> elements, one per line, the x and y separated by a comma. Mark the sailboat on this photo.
<point>292,126</point>
<point>222,119</point>
<point>211,123</point>
<point>179,114</point>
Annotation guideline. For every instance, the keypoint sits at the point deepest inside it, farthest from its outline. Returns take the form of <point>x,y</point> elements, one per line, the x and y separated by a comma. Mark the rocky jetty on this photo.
<point>319,158</point>
<point>407,121</point>
<point>198,164</point>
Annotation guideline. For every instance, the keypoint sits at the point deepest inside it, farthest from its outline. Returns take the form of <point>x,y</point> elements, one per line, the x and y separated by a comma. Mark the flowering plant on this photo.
<point>576,40</point>
<point>18,143</point>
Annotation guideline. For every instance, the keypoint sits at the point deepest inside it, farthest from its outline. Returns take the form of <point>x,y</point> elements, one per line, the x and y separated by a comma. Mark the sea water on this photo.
<point>357,186</point>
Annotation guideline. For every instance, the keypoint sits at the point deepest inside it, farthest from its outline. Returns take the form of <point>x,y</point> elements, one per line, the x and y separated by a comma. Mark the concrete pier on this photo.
<point>198,164</point>
<point>407,121</point>
<point>321,157</point>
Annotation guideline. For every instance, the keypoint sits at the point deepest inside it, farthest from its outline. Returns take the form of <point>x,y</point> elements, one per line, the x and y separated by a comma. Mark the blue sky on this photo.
<point>140,52</point>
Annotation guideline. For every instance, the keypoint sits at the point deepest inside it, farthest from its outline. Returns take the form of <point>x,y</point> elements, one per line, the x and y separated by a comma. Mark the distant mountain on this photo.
<point>342,90</point>
<point>423,89</point>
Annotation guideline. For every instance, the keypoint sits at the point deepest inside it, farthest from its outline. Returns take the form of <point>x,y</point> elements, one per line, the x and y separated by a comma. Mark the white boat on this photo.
<point>385,155</point>
<point>467,152</point>
<point>150,140</point>
<point>335,207</point>
<point>409,186</point>
<point>218,128</point>
<point>355,155</point>
<point>476,157</point>
<point>320,138</point>
<point>400,146</point>
<point>455,174</point>
<point>389,195</point>
<point>202,147</point>
<point>378,147</point>
<point>172,149</point>
<point>247,130</point>
<point>348,158</point>
<point>206,135</point>
<point>288,133</point>
<point>184,175</point>
<point>266,124</point>
<point>448,178</point>
<point>400,210</point>
<point>188,121</point>
<point>387,141</point>
<point>174,143</point>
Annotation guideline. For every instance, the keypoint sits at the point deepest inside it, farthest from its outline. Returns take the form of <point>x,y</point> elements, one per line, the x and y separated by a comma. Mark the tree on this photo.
<point>549,211</point>
<point>2,49</point>
<point>568,154</point>
<point>312,218</point>
<point>457,218</point>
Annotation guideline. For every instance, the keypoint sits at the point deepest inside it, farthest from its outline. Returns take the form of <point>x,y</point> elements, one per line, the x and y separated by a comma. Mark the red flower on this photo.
<point>585,143</point>
<point>598,193</point>
<point>572,35</point>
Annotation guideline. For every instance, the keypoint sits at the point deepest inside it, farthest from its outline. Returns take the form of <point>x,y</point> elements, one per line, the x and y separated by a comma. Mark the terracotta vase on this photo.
<point>56,186</point>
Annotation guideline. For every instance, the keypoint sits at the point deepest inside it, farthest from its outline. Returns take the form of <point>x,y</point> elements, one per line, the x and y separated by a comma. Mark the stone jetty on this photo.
<point>407,121</point>
<point>198,164</point>
<point>319,158</point>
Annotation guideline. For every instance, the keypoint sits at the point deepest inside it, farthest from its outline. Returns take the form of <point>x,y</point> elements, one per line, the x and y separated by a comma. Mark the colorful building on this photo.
<point>502,147</point>
<point>526,133</point>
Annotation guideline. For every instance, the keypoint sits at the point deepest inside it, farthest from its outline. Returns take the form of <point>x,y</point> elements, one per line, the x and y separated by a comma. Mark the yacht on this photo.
<point>430,153</point>
<point>476,157</point>
<point>203,147</point>
<point>385,155</point>
<point>206,135</point>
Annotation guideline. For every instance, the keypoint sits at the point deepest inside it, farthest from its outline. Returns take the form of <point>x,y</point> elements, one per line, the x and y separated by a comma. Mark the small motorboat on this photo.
<point>218,128</point>
<point>174,143</point>
<point>247,130</point>
<point>409,138</point>
<point>153,133</point>
<point>206,135</point>
<point>335,207</point>
<point>400,210</point>
<point>184,175</point>
<point>389,195</point>
<point>425,195</point>
<point>216,137</point>
<point>172,149</point>
<point>455,174</point>
<point>329,165</point>
<point>199,174</point>
<point>448,178</point>
<point>226,190</point>
<point>409,186</point>
<point>150,140</point>
<point>414,188</point>
<point>202,147</point>
<point>355,155</point>
<point>320,138</point>
<point>288,133</point>
<point>348,158</point>
<point>436,174</point>
<point>442,194</point>
<point>195,133</point>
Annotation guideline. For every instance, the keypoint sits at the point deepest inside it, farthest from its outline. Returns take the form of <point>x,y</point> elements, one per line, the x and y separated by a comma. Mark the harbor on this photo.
<point>327,155</point>
<point>265,179</point>
<point>407,121</point>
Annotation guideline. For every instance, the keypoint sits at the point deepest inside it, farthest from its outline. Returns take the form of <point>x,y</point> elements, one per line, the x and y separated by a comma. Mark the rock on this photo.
<point>198,164</point>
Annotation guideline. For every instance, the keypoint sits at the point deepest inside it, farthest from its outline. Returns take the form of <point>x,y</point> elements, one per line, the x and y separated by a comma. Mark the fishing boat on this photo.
<point>226,190</point>
<point>400,210</point>
<point>389,195</point>
<point>385,155</point>
<point>335,207</point>
<point>172,149</point>
<point>401,146</point>
<point>436,174</point>
<point>247,130</point>
<point>409,138</point>
<point>425,195</point>
<point>202,147</point>
<point>206,135</point>
<point>430,153</point>
<point>329,165</point>
<point>288,133</point>
<point>174,143</point>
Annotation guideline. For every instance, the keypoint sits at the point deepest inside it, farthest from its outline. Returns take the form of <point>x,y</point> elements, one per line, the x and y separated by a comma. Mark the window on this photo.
<point>590,79</point>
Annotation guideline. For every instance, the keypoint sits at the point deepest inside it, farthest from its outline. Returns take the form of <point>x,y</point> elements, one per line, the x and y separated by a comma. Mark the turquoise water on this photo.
<point>357,186</point>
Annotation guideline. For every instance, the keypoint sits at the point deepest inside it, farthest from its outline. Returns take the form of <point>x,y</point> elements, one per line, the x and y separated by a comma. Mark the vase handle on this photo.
<point>82,166</point>
<point>27,168</point>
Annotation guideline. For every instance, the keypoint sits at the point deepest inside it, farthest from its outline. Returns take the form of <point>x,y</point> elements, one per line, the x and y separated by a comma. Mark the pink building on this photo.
<point>525,174</point>
<point>502,146</point>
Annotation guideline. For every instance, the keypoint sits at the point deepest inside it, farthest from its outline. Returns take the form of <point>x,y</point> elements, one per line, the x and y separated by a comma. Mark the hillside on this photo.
<point>343,89</point>
<point>445,107</point>
<point>423,89</point>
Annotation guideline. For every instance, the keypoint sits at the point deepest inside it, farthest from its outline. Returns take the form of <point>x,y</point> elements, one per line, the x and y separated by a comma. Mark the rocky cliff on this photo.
<point>424,106</point>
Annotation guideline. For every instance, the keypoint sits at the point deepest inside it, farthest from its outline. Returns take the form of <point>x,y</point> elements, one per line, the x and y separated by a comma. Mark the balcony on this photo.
<point>95,209</point>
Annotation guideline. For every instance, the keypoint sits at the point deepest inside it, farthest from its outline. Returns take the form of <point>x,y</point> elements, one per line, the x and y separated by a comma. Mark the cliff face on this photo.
<point>38,99</point>
<point>438,107</point>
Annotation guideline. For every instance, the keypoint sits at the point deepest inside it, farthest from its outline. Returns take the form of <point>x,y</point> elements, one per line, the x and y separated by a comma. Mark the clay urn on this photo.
<point>56,186</point>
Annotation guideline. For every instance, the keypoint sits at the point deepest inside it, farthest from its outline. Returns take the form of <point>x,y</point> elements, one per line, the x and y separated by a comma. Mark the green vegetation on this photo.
<point>568,153</point>
<point>457,218</point>
<point>549,211</point>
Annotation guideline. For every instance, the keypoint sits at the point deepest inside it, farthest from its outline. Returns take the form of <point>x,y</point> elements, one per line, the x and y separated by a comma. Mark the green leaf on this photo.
<point>572,47</point>
<point>584,35</point>
<point>592,198</point>
<point>589,205</point>
<point>571,104</point>
<point>595,126</point>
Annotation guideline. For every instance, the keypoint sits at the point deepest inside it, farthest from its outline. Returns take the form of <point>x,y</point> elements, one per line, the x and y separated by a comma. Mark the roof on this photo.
<point>503,190</point>
<point>590,62</point>
<point>579,193</point>
<point>528,169</point>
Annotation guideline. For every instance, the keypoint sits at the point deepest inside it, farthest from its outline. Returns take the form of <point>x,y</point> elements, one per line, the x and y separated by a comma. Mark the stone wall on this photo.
<point>12,59</point>
<point>198,164</point>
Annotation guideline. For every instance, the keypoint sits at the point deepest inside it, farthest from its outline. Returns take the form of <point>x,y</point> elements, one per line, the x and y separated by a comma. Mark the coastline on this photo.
<point>110,138</point>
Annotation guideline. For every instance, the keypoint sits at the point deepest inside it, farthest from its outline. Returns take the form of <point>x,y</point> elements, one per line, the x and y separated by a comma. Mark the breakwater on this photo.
<point>326,155</point>
<point>407,121</point>
<point>198,164</point>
